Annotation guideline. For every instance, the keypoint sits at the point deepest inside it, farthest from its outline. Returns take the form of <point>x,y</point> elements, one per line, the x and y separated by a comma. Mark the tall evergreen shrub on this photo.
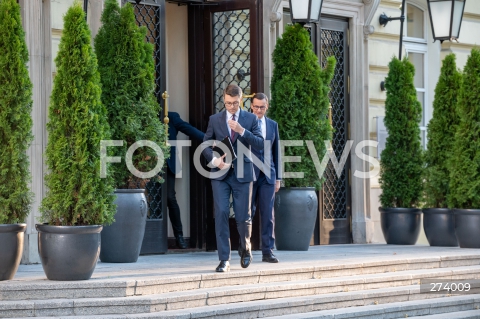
<point>299,102</point>
<point>15,117</point>
<point>76,195</point>
<point>401,160</point>
<point>127,72</point>
<point>465,160</point>
<point>441,135</point>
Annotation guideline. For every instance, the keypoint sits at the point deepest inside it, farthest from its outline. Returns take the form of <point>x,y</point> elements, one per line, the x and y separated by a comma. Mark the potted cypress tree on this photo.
<point>464,163</point>
<point>299,105</point>
<point>438,219</point>
<point>15,138</point>
<point>127,73</point>
<point>78,201</point>
<point>401,160</point>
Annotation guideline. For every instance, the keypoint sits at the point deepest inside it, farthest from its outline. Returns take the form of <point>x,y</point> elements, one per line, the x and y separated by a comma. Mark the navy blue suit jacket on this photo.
<point>252,137</point>
<point>175,125</point>
<point>275,157</point>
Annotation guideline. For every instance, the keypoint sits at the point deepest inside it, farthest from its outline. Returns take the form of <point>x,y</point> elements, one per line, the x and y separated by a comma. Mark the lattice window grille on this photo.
<point>335,188</point>
<point>231,54</point>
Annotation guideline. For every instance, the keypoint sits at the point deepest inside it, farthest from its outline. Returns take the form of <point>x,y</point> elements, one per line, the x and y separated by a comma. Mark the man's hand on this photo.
<point>234,125</point>
<point>218,162</point>
<point>277,186</point>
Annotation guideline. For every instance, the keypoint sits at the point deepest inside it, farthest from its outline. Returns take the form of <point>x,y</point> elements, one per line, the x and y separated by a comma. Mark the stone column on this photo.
<point>94,13</point>
<point>36,23</point>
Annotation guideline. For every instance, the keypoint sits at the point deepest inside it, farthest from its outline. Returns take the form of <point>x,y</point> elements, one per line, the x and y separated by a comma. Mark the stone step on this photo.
<point>402,286</point>
<point>140,286</point>
<point>469,314</point>
<point>439,307</point>
<point>465,306</point>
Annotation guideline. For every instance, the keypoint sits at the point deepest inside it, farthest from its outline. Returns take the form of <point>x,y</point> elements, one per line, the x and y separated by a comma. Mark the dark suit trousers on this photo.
<point>241,193</point>
<point>173,208</point>
<point>263,198</point>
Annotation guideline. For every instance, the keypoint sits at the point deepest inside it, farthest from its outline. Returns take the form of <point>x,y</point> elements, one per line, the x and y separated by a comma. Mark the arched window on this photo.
<point>416,47</point>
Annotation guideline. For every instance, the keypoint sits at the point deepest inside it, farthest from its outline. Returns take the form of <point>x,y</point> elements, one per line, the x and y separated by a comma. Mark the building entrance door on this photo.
<point>225,36</point>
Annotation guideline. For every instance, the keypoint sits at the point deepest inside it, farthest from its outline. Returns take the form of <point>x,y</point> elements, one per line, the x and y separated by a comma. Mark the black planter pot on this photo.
<point>467,227</point>
<point>400,226</point>
<point>122,241</point>
<point>439,227</point>
<point>295,216</point>
<point>11,248</point>
<point>68,252</point>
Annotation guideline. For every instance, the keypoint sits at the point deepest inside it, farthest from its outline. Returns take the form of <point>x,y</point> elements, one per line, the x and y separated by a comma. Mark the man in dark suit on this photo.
<point>235,178</point>
<point>175,125</point>
<point>267,182</point>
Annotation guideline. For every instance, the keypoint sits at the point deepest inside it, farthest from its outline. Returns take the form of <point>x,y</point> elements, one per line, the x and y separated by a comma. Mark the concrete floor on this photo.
<point>191,263</point>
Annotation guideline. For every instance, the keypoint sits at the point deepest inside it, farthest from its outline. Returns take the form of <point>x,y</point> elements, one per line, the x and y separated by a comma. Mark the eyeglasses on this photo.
<point>229,104</point>
<point>258,107</point>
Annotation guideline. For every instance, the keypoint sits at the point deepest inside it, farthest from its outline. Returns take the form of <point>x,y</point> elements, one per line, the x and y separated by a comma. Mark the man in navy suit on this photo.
<point>235,178</point>
<point>175,125</point>
<point>267,182</point>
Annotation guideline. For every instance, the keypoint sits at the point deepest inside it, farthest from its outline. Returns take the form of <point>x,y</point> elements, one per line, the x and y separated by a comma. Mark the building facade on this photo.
<point>205,45</point>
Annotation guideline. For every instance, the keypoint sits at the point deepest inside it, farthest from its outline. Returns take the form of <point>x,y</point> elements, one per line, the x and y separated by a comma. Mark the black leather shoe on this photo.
<point>224,266</point>
<point>246,258</point>
<point>181,242</point>
<point>270,258</point>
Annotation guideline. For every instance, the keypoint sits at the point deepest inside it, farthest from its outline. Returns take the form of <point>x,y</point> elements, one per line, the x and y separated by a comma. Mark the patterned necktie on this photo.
<point>261,132</point>
<point>232,132</point>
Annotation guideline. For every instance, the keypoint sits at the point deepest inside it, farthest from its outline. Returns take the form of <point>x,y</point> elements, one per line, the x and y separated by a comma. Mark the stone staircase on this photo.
<point>377,289</point>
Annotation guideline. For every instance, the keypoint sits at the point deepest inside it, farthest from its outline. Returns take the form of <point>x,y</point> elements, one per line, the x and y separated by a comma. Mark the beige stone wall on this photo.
<point>176,23</point>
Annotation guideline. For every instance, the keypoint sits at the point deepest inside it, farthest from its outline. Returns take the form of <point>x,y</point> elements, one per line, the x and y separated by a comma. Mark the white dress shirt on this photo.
<point>228,117</point>
<point>264,127</point>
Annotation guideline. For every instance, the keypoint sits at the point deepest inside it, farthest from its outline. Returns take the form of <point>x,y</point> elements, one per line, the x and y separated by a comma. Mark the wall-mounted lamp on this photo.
<point>382,86</point>
<point>305,11</point>
<point>445,18</point>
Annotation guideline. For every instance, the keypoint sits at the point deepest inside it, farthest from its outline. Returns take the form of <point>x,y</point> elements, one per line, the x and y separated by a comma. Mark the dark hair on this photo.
<point>260,96</point>
<point>233,90</point>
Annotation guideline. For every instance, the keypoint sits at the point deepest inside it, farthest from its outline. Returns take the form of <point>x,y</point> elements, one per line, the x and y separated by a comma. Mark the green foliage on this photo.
<point>127,72</point>
<point>465,160</point>
<point>401,160</point>
<point>15,118</point>
<point>441,134</point>
<point>299,102</point>
<point>76,194</point>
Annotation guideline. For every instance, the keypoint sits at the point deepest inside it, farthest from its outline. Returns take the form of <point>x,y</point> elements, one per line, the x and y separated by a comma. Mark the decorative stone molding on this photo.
<point>367,30</point>
<point>276,6</point>
<point>371,7</point>
<point>274,18</point>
